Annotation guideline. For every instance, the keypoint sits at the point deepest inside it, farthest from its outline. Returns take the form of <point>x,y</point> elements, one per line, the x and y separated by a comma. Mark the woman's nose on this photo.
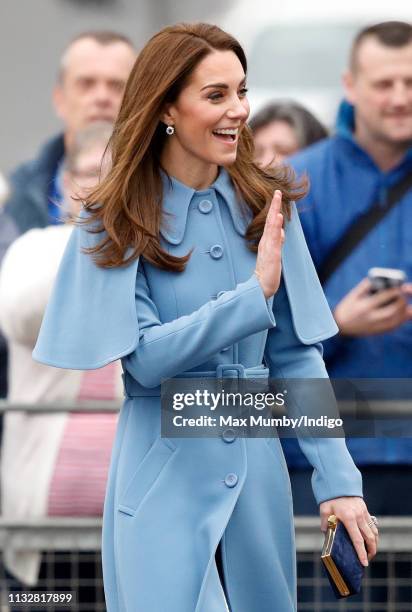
<point>239,109</point>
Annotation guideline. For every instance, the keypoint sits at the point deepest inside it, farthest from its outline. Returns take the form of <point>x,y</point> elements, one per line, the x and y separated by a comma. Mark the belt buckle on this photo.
<point>230,367</point>
<point>231,373</point>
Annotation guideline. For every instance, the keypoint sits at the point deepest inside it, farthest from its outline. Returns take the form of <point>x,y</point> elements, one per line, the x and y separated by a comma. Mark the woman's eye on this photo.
<point>215,96</point>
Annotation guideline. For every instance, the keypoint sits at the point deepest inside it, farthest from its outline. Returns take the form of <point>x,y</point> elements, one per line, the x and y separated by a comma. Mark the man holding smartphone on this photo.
<point>367,311</point>
<point>357,216</point>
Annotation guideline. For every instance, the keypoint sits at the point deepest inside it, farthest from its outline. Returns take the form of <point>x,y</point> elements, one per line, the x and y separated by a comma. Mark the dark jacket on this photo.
<point>30,187</point>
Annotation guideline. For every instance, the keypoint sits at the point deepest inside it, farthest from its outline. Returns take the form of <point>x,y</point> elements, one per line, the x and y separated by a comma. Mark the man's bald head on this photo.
<point>93,72</point>
<point>102,37</point>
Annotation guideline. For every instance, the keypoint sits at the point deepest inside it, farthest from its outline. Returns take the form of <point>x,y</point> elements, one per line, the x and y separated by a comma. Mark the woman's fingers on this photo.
<point>278,238</point>
<point>268,262</point>
<point>276,204</point>
<point>354,515</point>
<point>274,210</point>
<point>364,537</point>
<point>356,536</point>
<point>274,223</point>
<point>370,536</point>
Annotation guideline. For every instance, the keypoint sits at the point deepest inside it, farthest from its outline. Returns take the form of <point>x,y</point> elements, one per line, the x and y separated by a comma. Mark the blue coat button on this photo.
<point>229,435</point>
<point>231,480</point>
<point>216,251</point>
<point>205,206</point>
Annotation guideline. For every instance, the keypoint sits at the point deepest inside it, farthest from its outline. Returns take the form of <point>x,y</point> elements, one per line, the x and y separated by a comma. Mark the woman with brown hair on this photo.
<point>180,270</point>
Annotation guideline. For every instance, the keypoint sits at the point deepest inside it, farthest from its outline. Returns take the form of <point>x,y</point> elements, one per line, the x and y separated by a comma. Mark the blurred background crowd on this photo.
<point>330,97</point>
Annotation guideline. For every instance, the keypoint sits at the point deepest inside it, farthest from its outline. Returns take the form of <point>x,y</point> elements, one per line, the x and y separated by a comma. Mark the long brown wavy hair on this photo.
<point>127,204</point>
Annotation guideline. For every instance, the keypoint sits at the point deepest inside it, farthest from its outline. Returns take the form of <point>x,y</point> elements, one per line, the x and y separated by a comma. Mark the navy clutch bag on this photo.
<point>340,559</point>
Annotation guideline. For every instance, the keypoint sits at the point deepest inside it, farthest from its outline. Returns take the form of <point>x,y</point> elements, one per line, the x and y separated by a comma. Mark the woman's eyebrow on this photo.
<point>222,85</point>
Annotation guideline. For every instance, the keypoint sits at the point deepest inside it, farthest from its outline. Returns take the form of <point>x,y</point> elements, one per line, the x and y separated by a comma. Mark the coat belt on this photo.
<point>228,370</point>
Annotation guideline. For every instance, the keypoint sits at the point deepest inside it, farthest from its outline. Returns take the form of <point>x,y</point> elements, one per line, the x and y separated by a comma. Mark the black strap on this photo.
<point>360,228</point>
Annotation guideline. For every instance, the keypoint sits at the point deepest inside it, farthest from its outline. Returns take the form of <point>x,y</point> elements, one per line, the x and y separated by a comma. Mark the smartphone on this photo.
<point>385,278</point>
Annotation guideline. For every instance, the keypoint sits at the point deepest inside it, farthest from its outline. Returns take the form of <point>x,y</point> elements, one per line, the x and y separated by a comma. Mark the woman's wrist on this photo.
<point>258,275</point>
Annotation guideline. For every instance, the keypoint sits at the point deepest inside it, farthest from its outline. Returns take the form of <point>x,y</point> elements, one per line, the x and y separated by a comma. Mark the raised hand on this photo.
<point>268,261</point>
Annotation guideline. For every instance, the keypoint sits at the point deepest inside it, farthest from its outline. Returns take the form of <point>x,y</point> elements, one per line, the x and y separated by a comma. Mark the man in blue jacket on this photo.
<point>370,152</point>
<point>93,72</point>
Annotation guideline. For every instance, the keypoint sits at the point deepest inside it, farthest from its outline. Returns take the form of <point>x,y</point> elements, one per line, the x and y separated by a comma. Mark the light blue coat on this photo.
<point>170,501</point>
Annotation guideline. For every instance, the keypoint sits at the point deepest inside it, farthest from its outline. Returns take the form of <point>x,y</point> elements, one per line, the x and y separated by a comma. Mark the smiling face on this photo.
<point>380,88</point>
<point>208,115</point>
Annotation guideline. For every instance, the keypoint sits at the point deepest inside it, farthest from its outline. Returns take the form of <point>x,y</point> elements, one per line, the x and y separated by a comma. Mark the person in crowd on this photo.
<point>91,78</point>
<point>282,128</point>
<point>176,268</point>
<point>364,167</point>
<point>51,464</point>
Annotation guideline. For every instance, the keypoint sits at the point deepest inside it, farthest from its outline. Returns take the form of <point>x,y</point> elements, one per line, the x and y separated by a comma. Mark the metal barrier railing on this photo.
<point>70,547</point>
<point>71,550</point>
<point>395,408</point>
<point>85,406</point>
<point>74,542</point>
<point>395,533</point>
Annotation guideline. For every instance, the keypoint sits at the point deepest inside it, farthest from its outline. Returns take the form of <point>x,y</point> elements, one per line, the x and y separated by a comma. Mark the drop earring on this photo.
<point>170,130</point>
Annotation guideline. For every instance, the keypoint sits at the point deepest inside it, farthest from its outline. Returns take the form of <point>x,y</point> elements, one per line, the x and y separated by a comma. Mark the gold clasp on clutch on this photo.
<point>327,559</point>
<point>332,521</point>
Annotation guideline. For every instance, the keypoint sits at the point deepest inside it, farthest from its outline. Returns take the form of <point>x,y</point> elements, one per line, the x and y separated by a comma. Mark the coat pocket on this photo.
<point>146,475</point>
